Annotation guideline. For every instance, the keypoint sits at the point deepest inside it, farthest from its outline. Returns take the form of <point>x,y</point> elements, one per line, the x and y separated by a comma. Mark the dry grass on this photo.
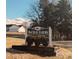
<point>19,33</point>
<point>14,41</point>
<point>63,53</point>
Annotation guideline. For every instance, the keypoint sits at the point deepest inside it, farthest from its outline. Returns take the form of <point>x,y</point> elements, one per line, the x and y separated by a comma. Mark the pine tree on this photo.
<point>65,17</point>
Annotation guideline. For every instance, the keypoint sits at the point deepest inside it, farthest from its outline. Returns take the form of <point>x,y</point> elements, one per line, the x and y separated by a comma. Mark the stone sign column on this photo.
<point>50,36</point>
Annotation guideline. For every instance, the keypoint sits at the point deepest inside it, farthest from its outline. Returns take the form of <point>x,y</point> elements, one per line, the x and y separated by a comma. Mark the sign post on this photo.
<point>50,36</point>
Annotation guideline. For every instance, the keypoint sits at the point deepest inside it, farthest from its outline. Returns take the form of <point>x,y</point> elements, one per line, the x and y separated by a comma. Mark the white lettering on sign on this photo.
<point>38,32</point>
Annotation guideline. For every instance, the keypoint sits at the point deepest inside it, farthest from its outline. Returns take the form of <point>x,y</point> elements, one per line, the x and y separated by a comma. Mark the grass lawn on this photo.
<point>14,41</point>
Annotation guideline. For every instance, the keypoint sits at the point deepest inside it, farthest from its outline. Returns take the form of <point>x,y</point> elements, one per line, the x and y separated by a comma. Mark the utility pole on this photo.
<point>44,3</point>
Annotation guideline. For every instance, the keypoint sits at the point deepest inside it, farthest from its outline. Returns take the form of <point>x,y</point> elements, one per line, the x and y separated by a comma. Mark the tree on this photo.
<point>59,16</point>
<point>65,17</point>
<point>35,13</point>
<point>50,18</point>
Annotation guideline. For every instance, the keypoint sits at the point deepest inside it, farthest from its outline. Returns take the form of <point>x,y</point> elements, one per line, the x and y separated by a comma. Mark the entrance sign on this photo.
<point>40,32</point>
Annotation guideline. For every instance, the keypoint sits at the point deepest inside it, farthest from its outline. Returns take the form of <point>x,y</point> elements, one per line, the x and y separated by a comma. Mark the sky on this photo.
<point>17,8</point>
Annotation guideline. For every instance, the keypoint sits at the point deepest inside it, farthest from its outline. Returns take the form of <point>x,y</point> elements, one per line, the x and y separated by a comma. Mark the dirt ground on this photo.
<point>61,53</point>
